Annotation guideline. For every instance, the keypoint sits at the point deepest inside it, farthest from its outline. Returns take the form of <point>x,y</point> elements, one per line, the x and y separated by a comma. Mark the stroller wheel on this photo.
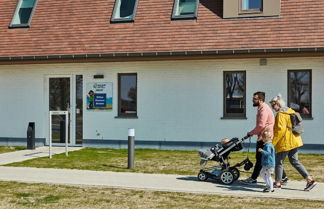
<point>202,176</point>
<point>227,177</point>
<point>236,173</point>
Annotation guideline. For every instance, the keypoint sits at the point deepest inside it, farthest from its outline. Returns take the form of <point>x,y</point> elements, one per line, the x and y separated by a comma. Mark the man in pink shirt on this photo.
<point>264,121</point>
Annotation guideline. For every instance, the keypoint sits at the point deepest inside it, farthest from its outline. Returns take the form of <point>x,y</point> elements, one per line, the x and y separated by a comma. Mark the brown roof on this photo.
<point>83,27</point>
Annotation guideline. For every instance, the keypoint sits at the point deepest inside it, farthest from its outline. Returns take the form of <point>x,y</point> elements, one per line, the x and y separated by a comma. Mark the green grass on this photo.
<point>158,161</point>
<point>15,195</point>
<point>4,149</point>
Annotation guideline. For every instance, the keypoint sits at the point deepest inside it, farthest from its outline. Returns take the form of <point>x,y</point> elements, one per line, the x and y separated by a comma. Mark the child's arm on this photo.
<point>266,151</point>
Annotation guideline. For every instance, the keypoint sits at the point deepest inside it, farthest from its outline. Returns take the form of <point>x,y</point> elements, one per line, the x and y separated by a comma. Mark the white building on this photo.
<point>173,88</point>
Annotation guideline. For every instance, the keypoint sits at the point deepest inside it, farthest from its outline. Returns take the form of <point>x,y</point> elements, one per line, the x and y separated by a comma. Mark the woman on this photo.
<point>286,143</point>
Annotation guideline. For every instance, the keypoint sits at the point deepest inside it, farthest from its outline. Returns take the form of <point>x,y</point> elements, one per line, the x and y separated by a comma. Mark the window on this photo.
<point>124,11</point>
<point>185,9</point>
<point>234,94</point>
<point>127,94</point>
<point>251,8</point>
<point>23,14</point>
<point>300,91</point>
<point>251,5</point>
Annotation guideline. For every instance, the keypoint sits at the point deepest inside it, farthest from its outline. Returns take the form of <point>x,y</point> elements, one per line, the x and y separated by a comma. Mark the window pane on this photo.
<point>235,93</point>
<point>185,7</point>
<point>124,9</point>
<point>23,12</point>
<point>300,91</point>
<point>128,94</point>
<point>251,4</point>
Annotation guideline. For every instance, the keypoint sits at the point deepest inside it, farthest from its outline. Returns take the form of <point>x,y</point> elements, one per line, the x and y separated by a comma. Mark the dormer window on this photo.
<point>251,8</point>
<point>124,11</point>
<point>185,9</point>
<point>23,14</point>
<point>251,5</point>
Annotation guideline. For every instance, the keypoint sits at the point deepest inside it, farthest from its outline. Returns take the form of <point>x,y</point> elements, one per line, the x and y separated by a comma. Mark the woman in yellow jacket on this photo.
<point>286,143</point>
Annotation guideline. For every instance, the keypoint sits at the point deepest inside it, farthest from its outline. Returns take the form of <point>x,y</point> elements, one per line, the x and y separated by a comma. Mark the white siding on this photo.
<point>177,100</point>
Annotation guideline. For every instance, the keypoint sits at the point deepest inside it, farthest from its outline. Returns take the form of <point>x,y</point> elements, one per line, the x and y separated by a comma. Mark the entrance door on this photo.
<point>60,100</point>
<point>65,94</point>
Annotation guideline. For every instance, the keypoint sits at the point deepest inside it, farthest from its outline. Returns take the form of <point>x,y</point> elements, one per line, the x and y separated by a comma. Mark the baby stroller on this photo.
<point>224,172</point>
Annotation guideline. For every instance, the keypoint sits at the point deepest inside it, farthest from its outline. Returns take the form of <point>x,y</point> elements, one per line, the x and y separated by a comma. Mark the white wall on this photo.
<point>177,100</point>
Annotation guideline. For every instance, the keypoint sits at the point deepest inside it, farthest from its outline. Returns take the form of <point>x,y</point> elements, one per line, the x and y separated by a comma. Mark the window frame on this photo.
<point>250,11</point>
<point>233,115</point>
<point>304,116</point>
<point>119,113</point>
<point>30,18</point>
<point>184,17</point>
<point>123,20</point>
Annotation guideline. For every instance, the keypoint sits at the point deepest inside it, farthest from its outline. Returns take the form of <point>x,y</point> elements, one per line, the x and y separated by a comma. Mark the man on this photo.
<point>264,120</point>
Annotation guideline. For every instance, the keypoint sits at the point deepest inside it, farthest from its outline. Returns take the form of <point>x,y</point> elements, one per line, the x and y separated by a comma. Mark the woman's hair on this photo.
<point>278,100</point>
<point>266,135</point>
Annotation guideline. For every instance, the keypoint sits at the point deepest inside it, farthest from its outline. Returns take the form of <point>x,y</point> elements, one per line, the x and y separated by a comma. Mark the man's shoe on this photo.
<point>249,181</point>
<point>310,185</point>
<point>284,181</point>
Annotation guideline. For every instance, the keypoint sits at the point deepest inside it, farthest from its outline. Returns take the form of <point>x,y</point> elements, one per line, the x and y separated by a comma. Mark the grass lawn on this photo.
<point>158,161</point>
<point>4,149</point>
<point>21,195</point>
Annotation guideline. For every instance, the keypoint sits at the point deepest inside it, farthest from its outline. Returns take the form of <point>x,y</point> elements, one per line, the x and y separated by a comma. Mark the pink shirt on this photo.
<point>264,120</point>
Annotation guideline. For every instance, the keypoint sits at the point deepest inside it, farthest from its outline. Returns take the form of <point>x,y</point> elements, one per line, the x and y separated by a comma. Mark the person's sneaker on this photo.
<point>249,181</point>
<point>284,181</point>
<point>310,185</point>
<point>275,186</point>
<point>268,190</point>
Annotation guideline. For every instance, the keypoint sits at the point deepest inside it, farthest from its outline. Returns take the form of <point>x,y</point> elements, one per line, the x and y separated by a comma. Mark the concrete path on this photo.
<point>157,182</point>
<point>22,155</point>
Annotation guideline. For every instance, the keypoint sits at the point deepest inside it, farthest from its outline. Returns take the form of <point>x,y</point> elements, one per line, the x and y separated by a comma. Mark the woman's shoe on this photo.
<point>310,185</point>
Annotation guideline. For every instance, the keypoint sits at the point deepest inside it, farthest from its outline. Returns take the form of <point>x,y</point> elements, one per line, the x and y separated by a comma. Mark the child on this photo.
<point>267,161</point>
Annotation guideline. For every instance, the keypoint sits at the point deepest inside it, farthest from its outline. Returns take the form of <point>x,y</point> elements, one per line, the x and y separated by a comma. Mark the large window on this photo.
<point>300,91</point>
<point>23,13</point>
<point>124,11</point>
<point>251,5</point>
<point>185,9</point>
<point>234,94</point>
<point>127,94</point>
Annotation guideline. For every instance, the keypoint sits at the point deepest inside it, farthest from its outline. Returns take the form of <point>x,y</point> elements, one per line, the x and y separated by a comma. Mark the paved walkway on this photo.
<point>22,155</point>
<point>157,182</point>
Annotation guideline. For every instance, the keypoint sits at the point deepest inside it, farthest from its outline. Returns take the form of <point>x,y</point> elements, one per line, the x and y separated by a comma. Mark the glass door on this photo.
<point>59,101</point>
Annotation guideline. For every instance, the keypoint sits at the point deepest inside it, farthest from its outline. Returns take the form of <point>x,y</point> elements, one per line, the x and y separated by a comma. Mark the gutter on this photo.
<point>227,53</point>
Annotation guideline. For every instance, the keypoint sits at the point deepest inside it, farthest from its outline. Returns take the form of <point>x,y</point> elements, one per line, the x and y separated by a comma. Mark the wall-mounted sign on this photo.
<point>99,96</point>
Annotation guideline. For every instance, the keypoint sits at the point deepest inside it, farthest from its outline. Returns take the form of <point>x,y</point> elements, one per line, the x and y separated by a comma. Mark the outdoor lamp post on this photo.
<point>131,145</point>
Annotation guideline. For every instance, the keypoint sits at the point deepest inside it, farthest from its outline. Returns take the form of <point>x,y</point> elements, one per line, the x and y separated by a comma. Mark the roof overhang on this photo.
<point>171,55</point>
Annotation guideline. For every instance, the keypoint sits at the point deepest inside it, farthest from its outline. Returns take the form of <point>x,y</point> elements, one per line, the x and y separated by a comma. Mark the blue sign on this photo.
<point>100,100</point>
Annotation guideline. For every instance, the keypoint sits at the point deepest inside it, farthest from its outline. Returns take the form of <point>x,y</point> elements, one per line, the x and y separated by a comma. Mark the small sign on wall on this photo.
<point>99,96</point>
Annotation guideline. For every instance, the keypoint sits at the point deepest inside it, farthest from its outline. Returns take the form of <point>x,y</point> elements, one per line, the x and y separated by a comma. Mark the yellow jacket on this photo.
<point>283,138</point>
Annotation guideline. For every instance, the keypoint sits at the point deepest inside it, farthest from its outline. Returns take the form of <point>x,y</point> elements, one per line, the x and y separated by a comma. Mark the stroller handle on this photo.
<point>246,137</point>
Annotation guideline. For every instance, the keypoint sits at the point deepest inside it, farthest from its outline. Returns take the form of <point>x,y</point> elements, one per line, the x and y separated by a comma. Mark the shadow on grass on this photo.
<point>113,166</point>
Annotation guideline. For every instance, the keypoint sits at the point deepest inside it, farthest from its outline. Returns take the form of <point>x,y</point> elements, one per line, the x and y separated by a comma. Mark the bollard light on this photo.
<point>131,145</point>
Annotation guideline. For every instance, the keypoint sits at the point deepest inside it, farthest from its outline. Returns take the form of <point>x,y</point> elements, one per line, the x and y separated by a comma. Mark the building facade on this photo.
<point>182,73</point>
